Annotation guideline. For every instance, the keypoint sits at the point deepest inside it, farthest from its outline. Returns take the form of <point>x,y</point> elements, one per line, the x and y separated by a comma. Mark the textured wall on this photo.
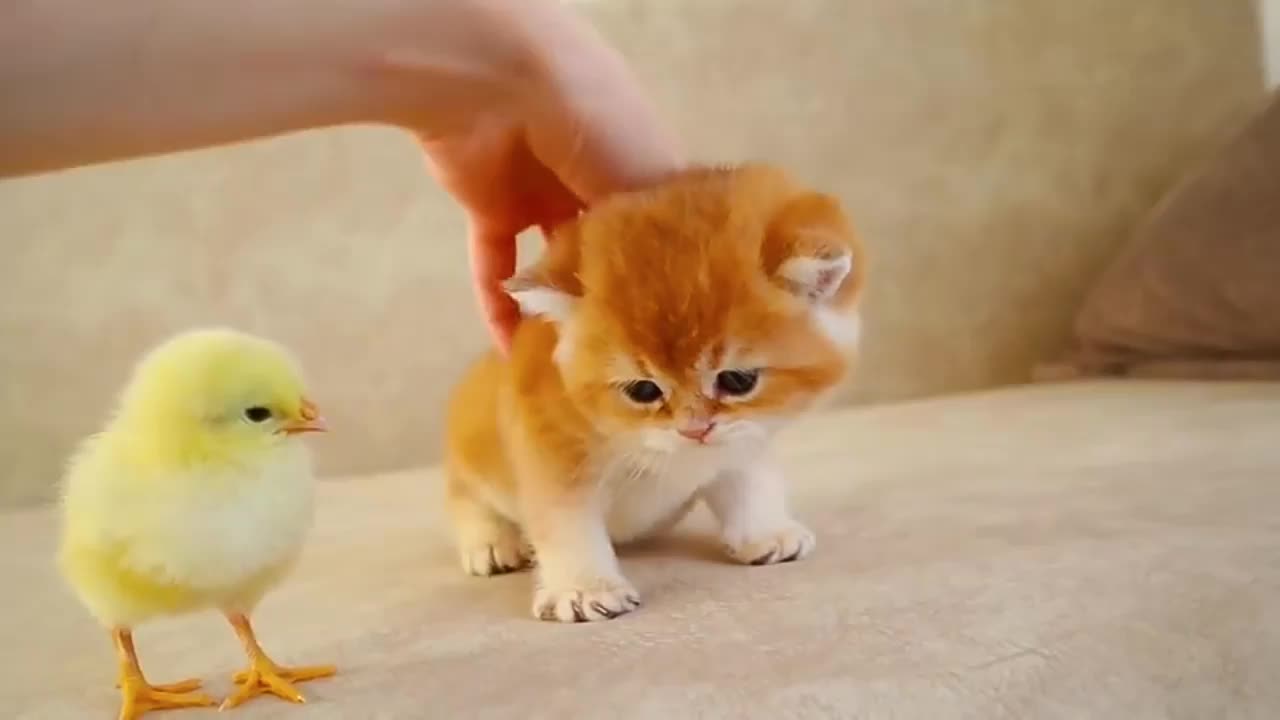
<point>1269,12</point>
<point>992,152</point>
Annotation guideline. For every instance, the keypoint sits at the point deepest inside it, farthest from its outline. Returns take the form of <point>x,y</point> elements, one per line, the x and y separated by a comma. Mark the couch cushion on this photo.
<point>1091,550</point>
<point>1195,294</point>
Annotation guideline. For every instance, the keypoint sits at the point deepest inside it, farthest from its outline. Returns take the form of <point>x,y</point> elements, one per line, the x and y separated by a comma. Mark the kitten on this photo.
<point>669,334</point>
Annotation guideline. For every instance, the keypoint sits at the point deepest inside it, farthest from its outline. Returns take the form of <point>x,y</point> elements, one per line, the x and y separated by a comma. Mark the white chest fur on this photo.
<point>647,491</point>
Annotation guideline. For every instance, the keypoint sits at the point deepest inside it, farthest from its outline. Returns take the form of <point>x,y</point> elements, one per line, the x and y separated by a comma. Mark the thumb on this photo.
<point>597,149</point>
<point>493,261</point>
<point>596,130</point>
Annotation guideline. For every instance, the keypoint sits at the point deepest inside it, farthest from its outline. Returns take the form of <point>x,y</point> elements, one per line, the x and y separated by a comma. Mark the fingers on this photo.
<point>539,197</point>
<point>598,132</point>
<point>493,261</point>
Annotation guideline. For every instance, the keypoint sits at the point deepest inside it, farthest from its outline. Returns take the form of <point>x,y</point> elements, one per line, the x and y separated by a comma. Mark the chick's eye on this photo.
<point>257,414</point>
<point>644,392</point>
<point>737,382</point>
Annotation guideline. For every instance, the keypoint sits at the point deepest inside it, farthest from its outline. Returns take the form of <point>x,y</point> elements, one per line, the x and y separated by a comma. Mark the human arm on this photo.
<point>84,83</point>
<point>525,113</point>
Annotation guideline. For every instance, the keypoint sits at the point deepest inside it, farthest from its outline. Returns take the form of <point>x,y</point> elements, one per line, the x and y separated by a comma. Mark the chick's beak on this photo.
<point>308,420</point>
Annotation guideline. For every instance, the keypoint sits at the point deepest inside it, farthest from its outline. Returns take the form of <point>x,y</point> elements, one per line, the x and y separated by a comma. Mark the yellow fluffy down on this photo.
<point>183,502</point>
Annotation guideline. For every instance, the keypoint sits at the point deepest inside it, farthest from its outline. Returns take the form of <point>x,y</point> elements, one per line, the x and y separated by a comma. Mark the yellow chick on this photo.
<point>198,494</point>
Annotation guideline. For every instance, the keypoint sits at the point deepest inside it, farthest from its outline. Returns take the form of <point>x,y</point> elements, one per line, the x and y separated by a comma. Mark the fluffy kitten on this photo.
<point>670,332</point>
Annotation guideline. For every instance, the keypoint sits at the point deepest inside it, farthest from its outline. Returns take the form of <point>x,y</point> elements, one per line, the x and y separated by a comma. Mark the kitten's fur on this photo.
<point>716,269</point>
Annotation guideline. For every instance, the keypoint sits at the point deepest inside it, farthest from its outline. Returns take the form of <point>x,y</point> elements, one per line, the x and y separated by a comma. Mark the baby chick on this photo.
<point>198,494</point>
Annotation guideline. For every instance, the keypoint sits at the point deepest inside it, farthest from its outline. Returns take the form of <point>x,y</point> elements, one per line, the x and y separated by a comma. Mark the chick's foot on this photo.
<point>139,698</point>
<point>265,677</point>
<point>182,686</point>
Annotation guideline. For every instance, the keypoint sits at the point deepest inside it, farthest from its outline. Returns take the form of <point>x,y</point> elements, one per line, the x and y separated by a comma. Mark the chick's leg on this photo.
<point>263,675</point>
<point>138,696</point>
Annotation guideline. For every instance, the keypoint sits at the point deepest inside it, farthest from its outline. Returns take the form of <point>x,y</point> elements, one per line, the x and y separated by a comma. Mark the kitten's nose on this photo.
<point>697,432</point>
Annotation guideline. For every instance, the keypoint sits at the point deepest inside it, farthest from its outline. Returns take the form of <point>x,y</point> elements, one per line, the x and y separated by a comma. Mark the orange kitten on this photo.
<point>670,333</point>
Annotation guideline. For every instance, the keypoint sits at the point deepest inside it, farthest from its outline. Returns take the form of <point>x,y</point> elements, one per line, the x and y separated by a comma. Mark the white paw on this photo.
<point>602,599</point>
<point>503,555</point>
<point>790,544</point>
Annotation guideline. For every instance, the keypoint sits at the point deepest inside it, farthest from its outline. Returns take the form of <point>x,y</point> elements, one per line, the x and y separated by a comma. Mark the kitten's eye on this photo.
<point>644,392</point>
<point>257,414</point>
<point>737,382</point>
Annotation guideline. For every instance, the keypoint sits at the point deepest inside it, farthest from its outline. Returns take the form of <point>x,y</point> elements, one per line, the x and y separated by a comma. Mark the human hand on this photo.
<point>525,114</point>
<point>573,130</point>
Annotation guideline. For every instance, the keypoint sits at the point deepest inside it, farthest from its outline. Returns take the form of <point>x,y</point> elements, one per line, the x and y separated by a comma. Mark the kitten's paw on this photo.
<point>496,557</point>
<point>790,544</point>
<point>602,599</point>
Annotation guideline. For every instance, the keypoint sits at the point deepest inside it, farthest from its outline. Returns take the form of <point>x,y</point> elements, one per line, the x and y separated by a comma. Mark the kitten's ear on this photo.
<point>549,288</point>
<point>538,295</point>
<point>811,250</point>
<point>815,279</point>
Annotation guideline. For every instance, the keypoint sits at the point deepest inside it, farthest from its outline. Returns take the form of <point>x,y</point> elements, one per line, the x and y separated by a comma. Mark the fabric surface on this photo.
<point>992,154</point>
<point>1091,550</point>
<point>1195,295</point>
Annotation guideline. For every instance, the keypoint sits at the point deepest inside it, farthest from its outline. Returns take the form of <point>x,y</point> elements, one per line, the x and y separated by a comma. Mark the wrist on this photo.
<point>432,66</point>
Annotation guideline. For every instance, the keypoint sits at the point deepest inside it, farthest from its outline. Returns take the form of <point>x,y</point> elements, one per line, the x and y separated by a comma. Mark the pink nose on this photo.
<point>697,432</point>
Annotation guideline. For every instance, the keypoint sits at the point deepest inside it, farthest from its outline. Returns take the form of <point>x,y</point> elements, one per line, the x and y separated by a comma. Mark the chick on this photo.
<point>197,495</point>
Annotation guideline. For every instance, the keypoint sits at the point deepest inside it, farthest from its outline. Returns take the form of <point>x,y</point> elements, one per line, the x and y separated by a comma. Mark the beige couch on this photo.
<point>986,549</point>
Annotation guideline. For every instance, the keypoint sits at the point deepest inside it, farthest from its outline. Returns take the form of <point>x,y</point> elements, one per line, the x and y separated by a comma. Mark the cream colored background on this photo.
<point>1269,12</point>
<point>993,154</point>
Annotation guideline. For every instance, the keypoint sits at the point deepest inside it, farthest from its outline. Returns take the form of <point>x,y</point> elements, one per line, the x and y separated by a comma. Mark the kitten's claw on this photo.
<point>603,600</point>
<point>502,556</point>
<point>793,543</point>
